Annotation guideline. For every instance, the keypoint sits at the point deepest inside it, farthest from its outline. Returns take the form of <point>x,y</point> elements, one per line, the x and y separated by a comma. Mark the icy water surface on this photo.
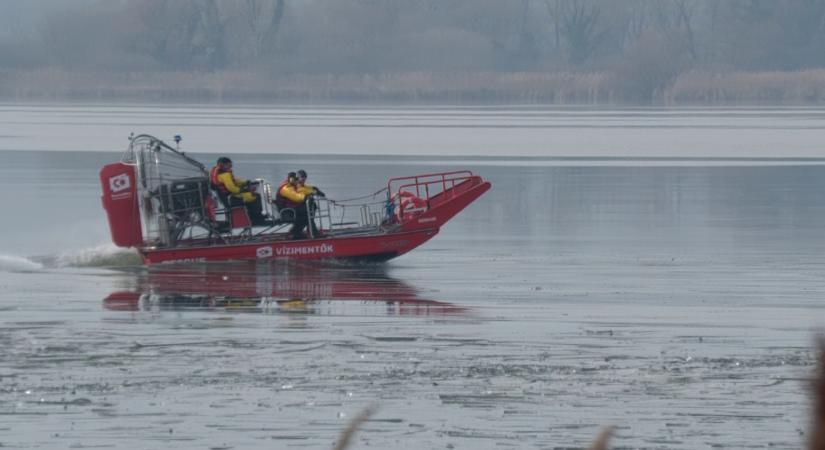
<point>678,302</point>
<point>429,130</point>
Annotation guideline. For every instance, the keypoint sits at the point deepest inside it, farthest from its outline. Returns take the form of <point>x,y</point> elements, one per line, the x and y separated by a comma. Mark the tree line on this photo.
<point>643,45</point>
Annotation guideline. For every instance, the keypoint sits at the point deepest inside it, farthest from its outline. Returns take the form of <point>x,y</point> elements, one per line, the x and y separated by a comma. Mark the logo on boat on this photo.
<point>427,220</point>
<point>305,250</point>
<point>119,183</point>
<point>263,252</point>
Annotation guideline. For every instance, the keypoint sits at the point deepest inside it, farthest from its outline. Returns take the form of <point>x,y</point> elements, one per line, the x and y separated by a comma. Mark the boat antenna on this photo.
<point>177,138</point>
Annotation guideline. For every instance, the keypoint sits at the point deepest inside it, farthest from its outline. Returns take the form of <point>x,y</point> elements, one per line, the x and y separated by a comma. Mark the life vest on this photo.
<point>409,205</point>
<point>216,182</point>
<point>306,189</point>
<point>283,202</point>
<point>209,208</point>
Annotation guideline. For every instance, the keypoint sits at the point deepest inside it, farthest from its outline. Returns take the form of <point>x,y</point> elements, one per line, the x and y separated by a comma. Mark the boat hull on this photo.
<point>373,248</point>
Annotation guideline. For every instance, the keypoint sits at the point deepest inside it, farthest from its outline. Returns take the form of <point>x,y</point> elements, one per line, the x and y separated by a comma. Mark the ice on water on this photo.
<point>675,300</point>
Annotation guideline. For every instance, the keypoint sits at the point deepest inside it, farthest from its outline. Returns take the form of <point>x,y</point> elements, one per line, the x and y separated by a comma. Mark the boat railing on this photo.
<point>425,188</point>
<point>320,212</point>
<point>348,216</point>
<point>394,185</point>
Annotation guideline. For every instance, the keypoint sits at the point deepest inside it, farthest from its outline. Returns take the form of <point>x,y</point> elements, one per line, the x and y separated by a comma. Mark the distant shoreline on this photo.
<point>695,88</point>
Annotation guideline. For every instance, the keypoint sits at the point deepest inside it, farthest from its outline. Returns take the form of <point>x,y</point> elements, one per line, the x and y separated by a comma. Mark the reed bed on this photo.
<point>549,88</point>
<point>413,87</point>
<point>798,87</point>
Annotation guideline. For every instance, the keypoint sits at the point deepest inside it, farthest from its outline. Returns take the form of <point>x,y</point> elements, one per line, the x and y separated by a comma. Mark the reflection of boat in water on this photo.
<point>161,202</point>
<point>251,287</point>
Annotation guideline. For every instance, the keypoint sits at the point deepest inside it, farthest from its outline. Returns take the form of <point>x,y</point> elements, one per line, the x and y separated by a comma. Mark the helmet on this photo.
<point>224,160</point>
<point>302,173</point>
<point>291,176</point>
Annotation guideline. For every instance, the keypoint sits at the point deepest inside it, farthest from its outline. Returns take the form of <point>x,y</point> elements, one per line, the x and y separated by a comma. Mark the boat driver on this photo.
<point>228,186</point>
<point>290,195</point>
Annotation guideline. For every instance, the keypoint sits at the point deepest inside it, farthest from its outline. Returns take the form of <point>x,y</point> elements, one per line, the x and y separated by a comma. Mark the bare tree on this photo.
<point>554,8</point>
<point>526,39</point>
<point>206,35</point>
<point>580,30</point>
<point>685,10</point>
<point>183,34</point>
<point>264,19</point>
<point>636,22</point>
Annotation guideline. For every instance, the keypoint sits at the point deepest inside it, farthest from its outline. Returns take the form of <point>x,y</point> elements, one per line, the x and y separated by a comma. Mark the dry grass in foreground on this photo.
<point>817,433</point>
<point>352,427</point>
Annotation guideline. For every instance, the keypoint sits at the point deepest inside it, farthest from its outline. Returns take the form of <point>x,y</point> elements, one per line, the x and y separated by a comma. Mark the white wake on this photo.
<point>13,263</point>
<point>105,255</point>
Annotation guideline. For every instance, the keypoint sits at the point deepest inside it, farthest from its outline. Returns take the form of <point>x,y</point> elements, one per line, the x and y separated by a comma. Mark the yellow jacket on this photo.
<point>232,184</point>
<point>306,189</point>
<point>292,193</point>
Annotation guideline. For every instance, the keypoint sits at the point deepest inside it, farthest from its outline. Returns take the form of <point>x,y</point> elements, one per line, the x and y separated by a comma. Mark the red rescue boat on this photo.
<point>159,201</point>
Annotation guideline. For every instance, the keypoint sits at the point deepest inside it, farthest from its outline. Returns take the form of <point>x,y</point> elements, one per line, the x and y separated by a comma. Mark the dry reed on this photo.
<point>817,434</point>
<point>552,88</point>
<point>352,427</point>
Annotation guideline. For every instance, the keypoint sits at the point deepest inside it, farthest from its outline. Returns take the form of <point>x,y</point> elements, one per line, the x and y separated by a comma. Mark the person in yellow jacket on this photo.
<point>291,195</point>
<point>224,181</point>
<point>307,188</point>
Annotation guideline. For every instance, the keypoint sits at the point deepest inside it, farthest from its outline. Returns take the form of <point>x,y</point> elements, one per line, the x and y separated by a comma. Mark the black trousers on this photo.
<point>255,209</point>
<point>301,222</point>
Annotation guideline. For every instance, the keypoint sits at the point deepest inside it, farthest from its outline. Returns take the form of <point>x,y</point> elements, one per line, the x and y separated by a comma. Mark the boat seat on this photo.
<point>235,211</point>
<point>284,215</point>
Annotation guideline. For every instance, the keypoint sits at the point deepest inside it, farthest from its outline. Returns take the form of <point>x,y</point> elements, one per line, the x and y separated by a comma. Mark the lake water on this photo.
<point>652,270</point>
